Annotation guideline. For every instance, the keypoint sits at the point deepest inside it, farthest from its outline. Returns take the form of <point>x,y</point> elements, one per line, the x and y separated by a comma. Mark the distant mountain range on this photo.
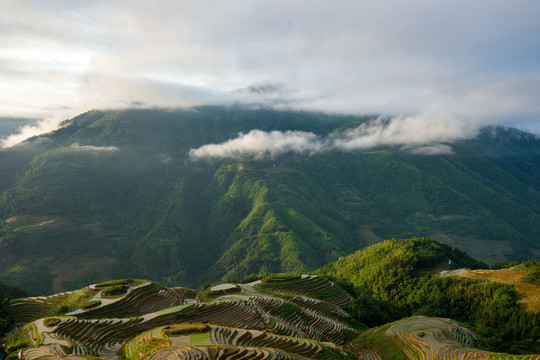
<point>9,126</point>
<point>115,194</point>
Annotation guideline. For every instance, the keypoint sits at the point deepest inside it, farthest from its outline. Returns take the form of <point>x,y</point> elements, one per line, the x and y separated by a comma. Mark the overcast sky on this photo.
<point>467,62</point>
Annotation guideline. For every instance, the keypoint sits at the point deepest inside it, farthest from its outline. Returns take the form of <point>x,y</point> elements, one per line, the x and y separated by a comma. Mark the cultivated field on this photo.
<point>281,317</point>
<point>529,294</point>
<point>131,319</point>
<point>427,338</point>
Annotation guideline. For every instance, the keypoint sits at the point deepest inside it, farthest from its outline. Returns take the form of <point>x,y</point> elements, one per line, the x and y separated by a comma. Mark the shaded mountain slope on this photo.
<point>114,194</point>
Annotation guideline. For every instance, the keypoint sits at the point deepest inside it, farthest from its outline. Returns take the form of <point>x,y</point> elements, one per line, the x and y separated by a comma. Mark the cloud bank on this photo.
<point>473,64</point>
<point>259,144</point>
<point>28,131</point>
<point>411,131</point>
<point>410,134</point>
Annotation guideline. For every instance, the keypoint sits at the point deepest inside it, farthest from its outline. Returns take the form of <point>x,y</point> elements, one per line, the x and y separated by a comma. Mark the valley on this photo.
<point>127,186</point>
<point>265,255</point>
<point>266,180</point>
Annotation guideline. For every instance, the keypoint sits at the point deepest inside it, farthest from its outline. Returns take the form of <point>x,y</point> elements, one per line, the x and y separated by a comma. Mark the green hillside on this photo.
<point>130,319</point>
<point>396,265</point>
<point>409,311</point>
<point>114,194</point>
<point>402,277</point>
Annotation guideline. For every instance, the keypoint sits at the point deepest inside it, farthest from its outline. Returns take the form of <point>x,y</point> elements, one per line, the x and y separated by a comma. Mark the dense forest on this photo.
<point>7,293</point>
<point>115,194</point>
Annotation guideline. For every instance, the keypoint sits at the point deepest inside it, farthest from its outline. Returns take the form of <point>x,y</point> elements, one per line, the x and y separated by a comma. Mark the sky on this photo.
<point>456,65</point>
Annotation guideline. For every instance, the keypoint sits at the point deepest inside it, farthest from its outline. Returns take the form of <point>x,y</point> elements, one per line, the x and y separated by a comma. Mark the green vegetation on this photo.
<point>115,282</point>
<point>286,309</point>
<point>370,310</point>
<point>51,321</point>
<point>182,329</point>
<point>278,278</point>
<point>331,353</point>
<point>385,347</point>
<point>228,323</point>
<point>91,304</point>
<point>13,347</point>
<point>398,276</point>
<point>298,314</point>
<point>317,287</point>
<point>129,202</point>
<point>8,292</point>
<point>511,357</point>
<point>114,290</point>
<point>199,338</point>
<point>533,271</point>
<point>64,309</point>
<point>503,264</point>
<point>115,195</point>
<point>391,268</point>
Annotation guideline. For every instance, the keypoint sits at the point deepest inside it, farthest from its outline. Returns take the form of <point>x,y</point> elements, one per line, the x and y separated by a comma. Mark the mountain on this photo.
<point>116,194</point>
<point>9,126</point>
<point>389,268</point>
<point>297,316</point>
<point>399,278</point>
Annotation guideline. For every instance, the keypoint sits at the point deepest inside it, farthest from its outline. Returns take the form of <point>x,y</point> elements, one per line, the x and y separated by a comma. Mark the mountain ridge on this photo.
<point>121,185</point>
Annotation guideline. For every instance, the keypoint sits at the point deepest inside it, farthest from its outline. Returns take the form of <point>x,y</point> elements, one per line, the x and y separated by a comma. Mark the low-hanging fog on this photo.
<point>439,70</point>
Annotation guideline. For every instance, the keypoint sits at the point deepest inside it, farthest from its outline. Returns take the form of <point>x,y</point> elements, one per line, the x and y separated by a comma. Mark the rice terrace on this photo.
<point>266,180</point>
<point>281,316</point>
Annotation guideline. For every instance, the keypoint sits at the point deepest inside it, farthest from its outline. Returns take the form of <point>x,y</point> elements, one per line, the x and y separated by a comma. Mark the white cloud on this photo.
<point>412,130</point>
<point>259,144</point>
<point>90,148</point>
<point>28,131</point>
<point>430,149</point>
<point>421,135</point>
<point>469,62</point>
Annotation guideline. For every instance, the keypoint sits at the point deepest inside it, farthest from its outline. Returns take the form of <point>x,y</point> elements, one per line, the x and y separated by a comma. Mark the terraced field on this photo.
<point>139,298</point>
<point>130,319</point>
<point>33,308</point>
<point>198,335</point>
<point>529,294</point>
<point>425,338</point>
<point>313,286</point>
<point>280,317</point>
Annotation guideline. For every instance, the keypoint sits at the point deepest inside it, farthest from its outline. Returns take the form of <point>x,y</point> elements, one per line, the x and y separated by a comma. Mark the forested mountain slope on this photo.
<point>116,194</point>
<point>399,278</point>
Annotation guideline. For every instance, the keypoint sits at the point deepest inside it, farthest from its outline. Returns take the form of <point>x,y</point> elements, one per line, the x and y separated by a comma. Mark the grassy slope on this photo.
<point>527,292</point>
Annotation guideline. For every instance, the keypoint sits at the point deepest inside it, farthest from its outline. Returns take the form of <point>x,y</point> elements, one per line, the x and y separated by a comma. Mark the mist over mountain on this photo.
<point>191,196</point>
<point>269,180</point>
<point>10,126</point>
